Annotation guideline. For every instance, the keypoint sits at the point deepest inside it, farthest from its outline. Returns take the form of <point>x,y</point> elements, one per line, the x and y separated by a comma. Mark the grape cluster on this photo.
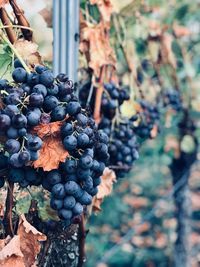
<point>145,119</point>
<point>76,181</point>
<point>39,98</point>
<point>112,98</point>
<point>123,147</point>
<point>172,98</point>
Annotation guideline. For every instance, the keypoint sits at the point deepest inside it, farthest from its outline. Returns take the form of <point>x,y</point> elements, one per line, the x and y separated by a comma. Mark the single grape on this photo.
<point>11,110</point>
<point>58,191</point>
<point>5,122</point>
<point>69,202</point>
<point>19,75</point>
<point>58,113</point>
<point>46,78</point>
<point>40,89</point>
<point>56,204</point>
<point>85,162</point>
<point>70,142</point>
<point>36,100</point>
<point>33,118</point>
<point>67,129</point>
<point>19,121</point>
<point>53,177</point>
<point>69,166</point>
<point>65,214</point>
<point>73,108</point>
<point>78,209</point>
<point>50,102</point>
<point>34,143</point>
<point>24,157</point>
<point>12,146</point>
<point>32,79</point>
<point>82,140</point>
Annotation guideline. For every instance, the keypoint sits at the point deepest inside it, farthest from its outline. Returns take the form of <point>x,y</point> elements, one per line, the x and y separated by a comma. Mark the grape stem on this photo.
<point>2,35</point>
<point>8,212</point>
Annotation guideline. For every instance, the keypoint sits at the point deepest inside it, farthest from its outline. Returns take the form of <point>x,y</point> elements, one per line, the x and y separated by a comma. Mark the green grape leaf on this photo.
<point>5,63</point>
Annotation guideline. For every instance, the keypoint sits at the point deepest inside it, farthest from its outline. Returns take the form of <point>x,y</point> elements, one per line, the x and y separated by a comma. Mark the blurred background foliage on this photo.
<point>139,215</point>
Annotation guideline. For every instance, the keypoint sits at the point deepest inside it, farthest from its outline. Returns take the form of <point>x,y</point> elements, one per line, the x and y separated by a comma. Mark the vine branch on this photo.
<point>28,35</point>
<point>8,211</point>
<point>7,25</point>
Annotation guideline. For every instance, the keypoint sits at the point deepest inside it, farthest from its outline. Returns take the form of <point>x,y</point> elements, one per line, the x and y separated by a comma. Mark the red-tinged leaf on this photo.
<point>51,154</point>
<point>181,31</point>
<point>52,151</point>
<point>50,129</point>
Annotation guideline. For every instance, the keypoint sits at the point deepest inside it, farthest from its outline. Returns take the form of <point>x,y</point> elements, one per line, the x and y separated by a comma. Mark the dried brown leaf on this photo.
<point>50,129</point>
<point>181,31</point>
<point>11,254</point>
<point>29,51</point>
<point>51,154</point>
<point>95,44</point>
<point>105,8</point>
<point>52,151</point>
<point>104,189</point>
<point>166,49</point>
<point>29,241</point>
<point>3,3</point>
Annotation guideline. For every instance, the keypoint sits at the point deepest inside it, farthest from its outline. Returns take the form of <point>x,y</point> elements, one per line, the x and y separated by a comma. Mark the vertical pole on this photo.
<point>66,33</point>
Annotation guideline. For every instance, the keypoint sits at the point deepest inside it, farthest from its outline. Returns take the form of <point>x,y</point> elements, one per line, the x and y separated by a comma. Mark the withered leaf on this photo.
<point>166,49</point>
<point>50,129</point>
<point>104,189</point>
<point>51,154</point>
<point>105,8</point>
<point>29,241</point>
<point>3,2</point>
<point>180,30</point>
<point>11,254</point>
<point>28,51</point>
<point>52,151</point>
<point>95,44</point>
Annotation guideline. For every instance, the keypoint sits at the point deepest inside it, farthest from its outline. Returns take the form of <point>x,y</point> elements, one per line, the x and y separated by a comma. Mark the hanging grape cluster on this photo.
<point>38,98</point>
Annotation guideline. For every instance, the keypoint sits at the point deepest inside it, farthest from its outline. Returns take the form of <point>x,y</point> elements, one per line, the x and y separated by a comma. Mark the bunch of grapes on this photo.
<point>123,146</point>
<point>145,119</point>
<point>112,98</point>
<point>75,183</point>
<point>37,98</point>
<point>172,98</point>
